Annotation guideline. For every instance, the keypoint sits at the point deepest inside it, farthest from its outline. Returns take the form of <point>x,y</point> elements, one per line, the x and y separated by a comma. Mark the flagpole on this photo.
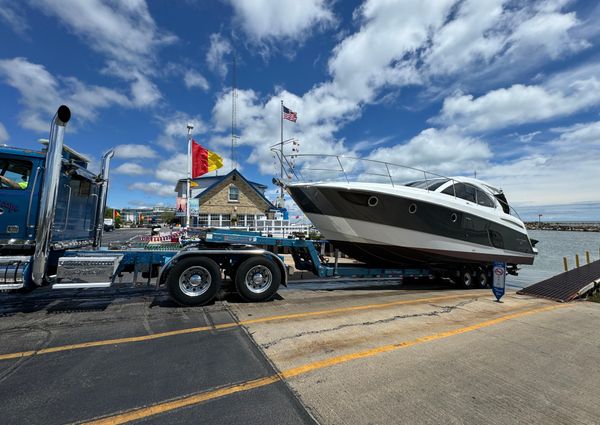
<point>190,127</point>
<point>281,158</point>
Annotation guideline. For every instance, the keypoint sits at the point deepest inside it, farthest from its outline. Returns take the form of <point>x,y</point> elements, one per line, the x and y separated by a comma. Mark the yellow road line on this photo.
<point>117,341</point>
<point>159,408</point>
<point>144,412</point>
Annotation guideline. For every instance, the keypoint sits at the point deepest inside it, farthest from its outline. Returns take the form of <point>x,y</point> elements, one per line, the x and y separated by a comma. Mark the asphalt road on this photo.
<point>86,383</point>
<point>123,235</point>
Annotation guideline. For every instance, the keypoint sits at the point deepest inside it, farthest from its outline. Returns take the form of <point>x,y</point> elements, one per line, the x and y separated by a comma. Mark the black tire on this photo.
<point>466,279</point>
<point>257,279</point>
<point>483,280</point>
<point>199,292</point>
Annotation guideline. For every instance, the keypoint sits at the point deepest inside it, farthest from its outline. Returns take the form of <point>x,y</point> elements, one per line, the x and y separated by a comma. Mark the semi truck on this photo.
<point>52,220</point>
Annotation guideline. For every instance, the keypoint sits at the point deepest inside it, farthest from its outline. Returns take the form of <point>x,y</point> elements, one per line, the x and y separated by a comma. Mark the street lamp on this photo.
<point>540,221</point>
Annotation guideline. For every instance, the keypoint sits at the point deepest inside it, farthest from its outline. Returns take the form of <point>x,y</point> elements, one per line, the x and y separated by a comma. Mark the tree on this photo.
<point>168,217</point>
<point>108,212</point>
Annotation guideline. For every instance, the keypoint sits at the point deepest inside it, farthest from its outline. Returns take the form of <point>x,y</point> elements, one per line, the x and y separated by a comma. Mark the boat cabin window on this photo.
<point>14,174</point>
<point>432,184</point>
<point>469,193</point>
<point>483,199</point>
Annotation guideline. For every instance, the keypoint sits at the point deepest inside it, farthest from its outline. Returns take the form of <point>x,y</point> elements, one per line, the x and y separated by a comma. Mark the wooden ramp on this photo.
<point>568,285</point>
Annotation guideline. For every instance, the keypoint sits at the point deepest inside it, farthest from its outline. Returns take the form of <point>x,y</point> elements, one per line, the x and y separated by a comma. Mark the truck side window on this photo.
<point>14,174</point>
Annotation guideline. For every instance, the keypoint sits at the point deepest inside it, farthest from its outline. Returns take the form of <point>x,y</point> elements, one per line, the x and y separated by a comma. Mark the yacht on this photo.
<point>436,221</point>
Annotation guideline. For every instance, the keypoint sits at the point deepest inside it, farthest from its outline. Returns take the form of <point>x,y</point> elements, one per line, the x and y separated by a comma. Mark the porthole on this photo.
<point>412,208</point>
<point>373,201</point>
<point>453,217</point>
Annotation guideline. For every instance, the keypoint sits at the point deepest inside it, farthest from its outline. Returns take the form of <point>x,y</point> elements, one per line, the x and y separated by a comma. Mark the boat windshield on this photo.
<point>432,184</point>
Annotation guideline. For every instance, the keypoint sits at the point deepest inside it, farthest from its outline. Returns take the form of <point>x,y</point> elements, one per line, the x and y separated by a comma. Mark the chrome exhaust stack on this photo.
<point>49,189</point>
<point>102,198</point>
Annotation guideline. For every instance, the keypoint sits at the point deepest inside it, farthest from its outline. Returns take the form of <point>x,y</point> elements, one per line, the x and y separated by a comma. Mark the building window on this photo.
<point>234,194</point>
<point>203,220</point>
<point>214,220</point>
<point>225,220</point>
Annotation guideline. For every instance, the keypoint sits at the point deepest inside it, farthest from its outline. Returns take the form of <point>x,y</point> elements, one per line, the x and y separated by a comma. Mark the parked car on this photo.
<point>109,224</point>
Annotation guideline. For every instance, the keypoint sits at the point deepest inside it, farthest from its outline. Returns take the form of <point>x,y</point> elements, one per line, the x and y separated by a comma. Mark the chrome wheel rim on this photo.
<point>258,279</point>
<point>195,281</point>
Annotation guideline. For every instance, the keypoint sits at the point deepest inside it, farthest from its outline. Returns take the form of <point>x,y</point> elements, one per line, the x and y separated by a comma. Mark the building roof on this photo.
<point>218,179</point>
<point>208,181</point>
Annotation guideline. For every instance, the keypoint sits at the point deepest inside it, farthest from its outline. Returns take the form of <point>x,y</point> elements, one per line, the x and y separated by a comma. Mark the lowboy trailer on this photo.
<point>51,224</point>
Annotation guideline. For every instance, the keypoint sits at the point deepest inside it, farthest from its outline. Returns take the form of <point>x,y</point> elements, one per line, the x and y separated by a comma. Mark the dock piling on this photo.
<point>587,257</point>
<point>566,266</point>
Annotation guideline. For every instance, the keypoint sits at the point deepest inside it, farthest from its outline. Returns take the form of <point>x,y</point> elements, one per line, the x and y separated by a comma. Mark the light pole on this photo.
<point>540,221</point>
<point>190,127</point>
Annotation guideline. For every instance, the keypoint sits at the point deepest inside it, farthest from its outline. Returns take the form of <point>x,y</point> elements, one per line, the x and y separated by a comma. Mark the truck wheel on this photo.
<point>482,279</point>
<point>194,281</point>
<point>466,279</point>
<point>257,279</point>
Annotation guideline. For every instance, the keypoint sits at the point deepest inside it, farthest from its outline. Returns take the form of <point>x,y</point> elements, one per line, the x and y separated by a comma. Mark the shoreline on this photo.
<point>564,227</point>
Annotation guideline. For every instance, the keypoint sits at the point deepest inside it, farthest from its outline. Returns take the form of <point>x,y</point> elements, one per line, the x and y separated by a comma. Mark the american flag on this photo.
<point>290,115</point>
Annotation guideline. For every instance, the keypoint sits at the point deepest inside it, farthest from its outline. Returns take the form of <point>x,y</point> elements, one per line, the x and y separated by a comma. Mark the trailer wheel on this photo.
<point>466,279</point>
<point>194,281</point>
<point>482,279</point>
<point>257,279</point>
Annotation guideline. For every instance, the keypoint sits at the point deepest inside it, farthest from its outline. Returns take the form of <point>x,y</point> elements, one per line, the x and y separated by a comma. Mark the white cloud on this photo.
<point>443,151</point>
<point>132,169</point>
<point>172,169</point>
<point>266,20</point>
<point>124,32</point>
<point>218,50</point>
<point>41,94</point>
<point>174,134</point>
<point>518,104</point>
<point>155,188</point>
<point>13,16</point>
<point>558,171</point>
<point>132,151</point>
<point>195,79</point>
<point>3,134</point>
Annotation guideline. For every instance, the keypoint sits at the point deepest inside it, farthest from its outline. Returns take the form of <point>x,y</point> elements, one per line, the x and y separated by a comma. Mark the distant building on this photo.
<point>144,215</point>
<point>228,200</point>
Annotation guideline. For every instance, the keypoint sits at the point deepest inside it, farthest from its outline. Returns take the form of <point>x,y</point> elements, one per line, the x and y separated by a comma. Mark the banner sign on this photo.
<point>499,279</point>
<point>194,207</point>
<point>180,207</point>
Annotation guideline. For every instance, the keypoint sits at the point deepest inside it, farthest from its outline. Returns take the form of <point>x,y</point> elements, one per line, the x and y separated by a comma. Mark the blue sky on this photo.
<point>510,89</point>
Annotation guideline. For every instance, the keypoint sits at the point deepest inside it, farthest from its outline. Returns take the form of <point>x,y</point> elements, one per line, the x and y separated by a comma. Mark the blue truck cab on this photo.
<point>22,174</point>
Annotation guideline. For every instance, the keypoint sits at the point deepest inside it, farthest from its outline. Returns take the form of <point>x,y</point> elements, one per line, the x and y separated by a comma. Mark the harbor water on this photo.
<point>552,247</point>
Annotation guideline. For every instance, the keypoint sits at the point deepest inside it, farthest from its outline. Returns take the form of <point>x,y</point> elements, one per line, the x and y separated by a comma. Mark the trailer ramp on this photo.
<point>567,286</point>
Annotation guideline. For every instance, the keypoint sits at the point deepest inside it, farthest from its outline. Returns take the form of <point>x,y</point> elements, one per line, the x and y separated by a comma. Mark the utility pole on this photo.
<point>190,127</point>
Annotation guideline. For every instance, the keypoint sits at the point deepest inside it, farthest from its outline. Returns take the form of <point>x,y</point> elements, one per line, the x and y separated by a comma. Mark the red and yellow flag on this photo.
<point>203,160</point>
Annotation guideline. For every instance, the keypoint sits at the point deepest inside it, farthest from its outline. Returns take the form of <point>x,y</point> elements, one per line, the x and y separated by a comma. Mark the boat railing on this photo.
<point>317,167</point>
<point>311,168</point>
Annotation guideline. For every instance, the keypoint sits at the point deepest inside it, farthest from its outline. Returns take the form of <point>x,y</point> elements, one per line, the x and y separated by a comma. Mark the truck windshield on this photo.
<point>14,174</point>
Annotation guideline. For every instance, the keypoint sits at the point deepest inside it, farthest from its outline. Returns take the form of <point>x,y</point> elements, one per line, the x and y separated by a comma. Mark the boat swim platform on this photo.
<point>568,285</point>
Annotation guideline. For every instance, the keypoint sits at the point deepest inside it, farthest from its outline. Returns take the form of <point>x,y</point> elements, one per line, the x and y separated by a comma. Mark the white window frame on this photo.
<point>238,193</point>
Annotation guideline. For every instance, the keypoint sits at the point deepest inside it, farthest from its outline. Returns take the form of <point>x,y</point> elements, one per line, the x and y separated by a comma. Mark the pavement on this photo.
<point>124,234</point>
<point>339,352</point>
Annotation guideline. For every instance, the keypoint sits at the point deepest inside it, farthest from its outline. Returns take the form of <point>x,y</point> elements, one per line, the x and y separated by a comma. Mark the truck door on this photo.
<point>16,213</point>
